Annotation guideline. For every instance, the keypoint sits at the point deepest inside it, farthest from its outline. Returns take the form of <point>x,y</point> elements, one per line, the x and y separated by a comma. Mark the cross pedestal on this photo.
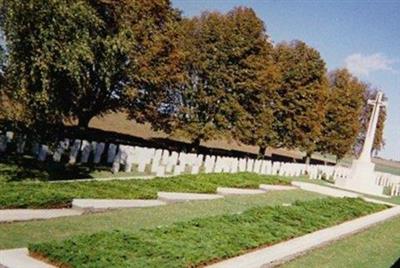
<point>362,179</point>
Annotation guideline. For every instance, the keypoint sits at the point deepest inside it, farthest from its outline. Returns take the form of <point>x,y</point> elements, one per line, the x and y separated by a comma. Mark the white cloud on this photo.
<point>360,64</point>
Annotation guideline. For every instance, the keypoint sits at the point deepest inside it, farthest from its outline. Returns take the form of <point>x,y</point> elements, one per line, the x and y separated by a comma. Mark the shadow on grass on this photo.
<point>20,168</point>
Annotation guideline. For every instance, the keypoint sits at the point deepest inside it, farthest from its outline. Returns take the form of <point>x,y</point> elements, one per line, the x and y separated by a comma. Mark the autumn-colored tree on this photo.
<point>210,105</point>
<point>158,75</point>
<point>299,106</point>
<point>255,77</point>
<point>229,70</point>
<point>222,77</point>
<point>345,103</point>
<point>212,66</point>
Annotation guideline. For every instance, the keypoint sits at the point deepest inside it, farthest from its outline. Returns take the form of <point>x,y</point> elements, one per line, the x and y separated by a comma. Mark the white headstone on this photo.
<point>21,142</point>
<point>99,151</point>
<point>62,146</point>
<point>74,152</point>
<point>249,166</point>
<point>86,149</point>
<point>112,151</point>
<point>44,150</point>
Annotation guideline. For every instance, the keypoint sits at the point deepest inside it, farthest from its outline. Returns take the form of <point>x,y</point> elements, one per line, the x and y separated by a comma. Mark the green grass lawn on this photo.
<point>204,240</point>
<point>375,247</point>
<point>47,195</point>
<point>20,234</point>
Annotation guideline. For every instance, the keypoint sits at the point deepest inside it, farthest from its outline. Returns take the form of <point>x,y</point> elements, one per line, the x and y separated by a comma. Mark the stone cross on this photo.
<point>369,138</point>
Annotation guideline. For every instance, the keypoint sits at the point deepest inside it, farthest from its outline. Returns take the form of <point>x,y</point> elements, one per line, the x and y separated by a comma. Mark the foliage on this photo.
<point>80,59</point>
<point>74,62</point>
<point>301,98</point>
<point>224,63</point>
<point>158,70</point>
<point>201,241</point>
<point>47,195</point>
<point>344,106</point>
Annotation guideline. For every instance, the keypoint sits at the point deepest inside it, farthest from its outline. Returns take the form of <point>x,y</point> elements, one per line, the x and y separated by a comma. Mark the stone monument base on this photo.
<point>362,179</point>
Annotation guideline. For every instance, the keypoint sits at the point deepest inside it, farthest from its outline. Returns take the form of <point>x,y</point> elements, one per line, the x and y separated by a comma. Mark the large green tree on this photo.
<point>82,58</point>
<point>66,58</point>
<point>342,126</point>
<point>299,106</point>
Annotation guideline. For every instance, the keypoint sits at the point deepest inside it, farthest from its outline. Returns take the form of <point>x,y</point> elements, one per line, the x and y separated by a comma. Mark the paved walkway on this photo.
<point>282,252</point>
<point>325,190</point>
<point>270,187</point>
<point>238,191</point>
<point>172,197</point>
<point>10,215</point>
<point>144,177</point>
<point>103,204</point>
<point>19,258</point>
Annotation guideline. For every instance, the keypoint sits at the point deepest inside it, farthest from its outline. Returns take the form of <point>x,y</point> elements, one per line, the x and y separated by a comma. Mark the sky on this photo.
<point>362,35</point>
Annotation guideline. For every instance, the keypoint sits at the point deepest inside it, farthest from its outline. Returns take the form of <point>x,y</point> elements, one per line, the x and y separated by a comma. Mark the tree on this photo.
<point>215,84</point>
<point>255,77</point>
<point>343,110</point>
<point>299,106</point>
<point>158,75</point>
<point>80,59</point>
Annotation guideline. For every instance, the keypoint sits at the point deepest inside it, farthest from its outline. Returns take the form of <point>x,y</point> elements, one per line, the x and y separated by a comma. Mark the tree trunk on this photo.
<point>83,121</point>
<point>195,145</point>
<point>261,152</point>
<point>308,158</point>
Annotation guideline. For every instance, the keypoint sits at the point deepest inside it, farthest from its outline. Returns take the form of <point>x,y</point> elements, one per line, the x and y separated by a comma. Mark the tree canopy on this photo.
<point>301,98</point>
<point>341,125</point>
<point>217,75</point>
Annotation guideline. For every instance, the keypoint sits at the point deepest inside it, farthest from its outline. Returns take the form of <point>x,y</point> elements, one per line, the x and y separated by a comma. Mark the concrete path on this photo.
<point>323,189</point>
<point>270,187</point>
<point>10,215</point>
<point>19,258</point>
<point>282,252</point>
<point>102,204</point>
<point>238,191</point>
<point>82,205</point>
<point>172,197</point>
<point>145,177</point>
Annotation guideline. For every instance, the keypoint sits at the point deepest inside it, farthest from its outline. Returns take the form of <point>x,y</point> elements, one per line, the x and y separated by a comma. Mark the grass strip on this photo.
<point>201,241</point>
<point>48,195</point>
<point>20,234</point>
<point>377,246</point>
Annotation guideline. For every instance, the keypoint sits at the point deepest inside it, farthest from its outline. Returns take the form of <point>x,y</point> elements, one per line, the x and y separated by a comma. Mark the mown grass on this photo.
<point>200,241</point>
<point>20,234</point>
<point>50,195</point>
<point>376,247</point>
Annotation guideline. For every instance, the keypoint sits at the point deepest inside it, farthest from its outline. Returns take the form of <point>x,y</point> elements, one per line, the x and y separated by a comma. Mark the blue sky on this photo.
<point>362,35</point>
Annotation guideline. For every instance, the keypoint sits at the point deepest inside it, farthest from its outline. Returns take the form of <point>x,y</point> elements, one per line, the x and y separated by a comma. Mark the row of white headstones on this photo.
<point>161,162</point>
